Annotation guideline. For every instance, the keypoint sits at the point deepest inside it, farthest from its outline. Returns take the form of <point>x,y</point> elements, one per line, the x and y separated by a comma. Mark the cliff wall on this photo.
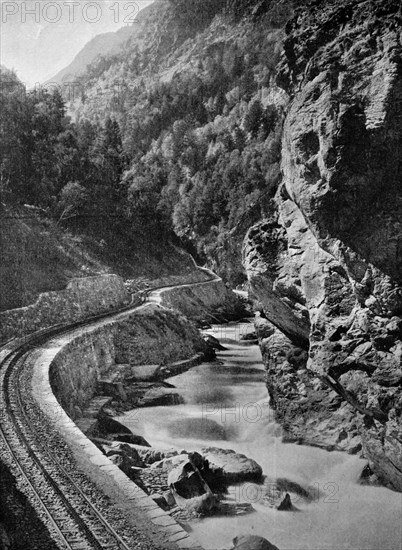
<point>326,265</point>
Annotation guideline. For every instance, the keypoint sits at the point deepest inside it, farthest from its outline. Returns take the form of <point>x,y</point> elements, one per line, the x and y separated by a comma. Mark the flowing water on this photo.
<point>226,406</point>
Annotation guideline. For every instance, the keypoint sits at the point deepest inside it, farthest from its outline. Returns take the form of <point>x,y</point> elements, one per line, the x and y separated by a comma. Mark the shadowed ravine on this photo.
<point>226,405</point>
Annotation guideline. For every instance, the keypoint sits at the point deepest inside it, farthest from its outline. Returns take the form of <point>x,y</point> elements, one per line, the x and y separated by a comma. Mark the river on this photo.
<point>226,405</point>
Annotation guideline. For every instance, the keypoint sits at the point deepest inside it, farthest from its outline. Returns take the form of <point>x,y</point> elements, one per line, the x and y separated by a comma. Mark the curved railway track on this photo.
<point>74,521</point>
<point>76,514</point>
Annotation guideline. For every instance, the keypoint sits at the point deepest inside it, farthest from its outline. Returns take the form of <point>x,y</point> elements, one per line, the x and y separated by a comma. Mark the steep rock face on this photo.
<point>338,214</point>
<point>308,411</point>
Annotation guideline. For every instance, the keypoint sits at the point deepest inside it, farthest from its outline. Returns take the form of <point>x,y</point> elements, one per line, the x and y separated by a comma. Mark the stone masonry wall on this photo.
<point>149,335</point>
<point>82,298</point>
<point>203,301</point>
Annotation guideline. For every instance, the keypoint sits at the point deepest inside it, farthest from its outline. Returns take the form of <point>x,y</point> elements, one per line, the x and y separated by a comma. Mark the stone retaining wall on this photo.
<point>148,335</point>
<point>82,298</point>
<point>198,275</point>
<point>66,373</point>
<point>203,300</point>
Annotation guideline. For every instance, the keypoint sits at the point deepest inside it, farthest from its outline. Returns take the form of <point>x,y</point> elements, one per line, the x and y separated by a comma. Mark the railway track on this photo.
<point>77,515</point>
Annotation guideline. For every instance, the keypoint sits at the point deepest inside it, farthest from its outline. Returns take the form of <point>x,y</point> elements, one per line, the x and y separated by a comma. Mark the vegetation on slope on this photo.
<point>38,255</point>
<point>186,146</point>
<point>75,225</point>
<point>201,123</point>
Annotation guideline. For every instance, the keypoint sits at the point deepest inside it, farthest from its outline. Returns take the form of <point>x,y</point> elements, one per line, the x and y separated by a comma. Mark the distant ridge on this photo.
<point>108,43</point>
<point>103,44</point>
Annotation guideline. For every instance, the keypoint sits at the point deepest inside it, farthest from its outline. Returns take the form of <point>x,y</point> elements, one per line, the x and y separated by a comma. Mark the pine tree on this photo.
<point>253,118</point>
<point>110,162</point>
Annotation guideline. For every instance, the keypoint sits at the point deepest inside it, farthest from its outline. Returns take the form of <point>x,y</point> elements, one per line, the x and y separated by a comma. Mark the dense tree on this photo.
<point>72,202</point>
<point>253,118</point>
<point>16,139</point>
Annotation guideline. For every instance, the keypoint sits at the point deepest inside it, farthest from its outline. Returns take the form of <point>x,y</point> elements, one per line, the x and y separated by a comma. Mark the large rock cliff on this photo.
<point>326,267</point>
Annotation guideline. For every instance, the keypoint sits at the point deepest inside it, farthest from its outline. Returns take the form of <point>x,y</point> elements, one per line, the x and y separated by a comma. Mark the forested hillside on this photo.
<point>178,134</point>
<point>63,212</point>
<point>200,121</point>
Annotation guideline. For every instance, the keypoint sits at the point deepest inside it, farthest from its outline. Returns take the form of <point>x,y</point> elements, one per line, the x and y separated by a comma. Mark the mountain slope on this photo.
<point>103,44</point>
<point>38,256</point>
<point>196,103</point>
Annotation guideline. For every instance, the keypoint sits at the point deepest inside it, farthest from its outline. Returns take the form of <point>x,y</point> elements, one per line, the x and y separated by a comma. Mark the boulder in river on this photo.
<point>170,463</point>
<point>160,396</point>
<point>252,542</point>
<point>236,467</point>
<point>129,438</point>
<point>186,480</point>
<point>109,428</point>
<point>127,450</point>
<point>150,455</point>
<point>202,505</point>
<point>286,504</point>
<point>281,493</point>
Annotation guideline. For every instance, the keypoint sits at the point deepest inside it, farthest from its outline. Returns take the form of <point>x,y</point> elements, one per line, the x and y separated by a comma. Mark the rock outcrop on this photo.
<point>126,458</point>
<point>326,266</point>
<point>185,478</point>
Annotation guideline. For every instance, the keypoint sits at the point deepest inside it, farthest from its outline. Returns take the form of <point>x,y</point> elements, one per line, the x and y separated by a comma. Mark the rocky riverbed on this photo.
<point>295,496</point>
<point>192,485</point>
<point>199,436</point>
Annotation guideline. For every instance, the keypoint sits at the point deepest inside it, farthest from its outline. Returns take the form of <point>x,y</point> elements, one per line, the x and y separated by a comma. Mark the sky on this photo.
<point>40,37</point>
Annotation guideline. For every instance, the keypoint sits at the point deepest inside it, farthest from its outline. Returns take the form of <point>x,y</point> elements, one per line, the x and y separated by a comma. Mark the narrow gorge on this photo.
<point>254,403</point>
